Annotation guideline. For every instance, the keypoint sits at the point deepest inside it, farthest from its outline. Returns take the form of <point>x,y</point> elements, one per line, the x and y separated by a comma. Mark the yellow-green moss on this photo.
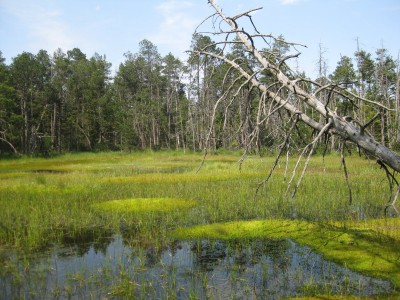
<point>389,227</point>
<point>177,177</point>
<point>12,175</point>
<point>144,204</point>
<point>374,255</point>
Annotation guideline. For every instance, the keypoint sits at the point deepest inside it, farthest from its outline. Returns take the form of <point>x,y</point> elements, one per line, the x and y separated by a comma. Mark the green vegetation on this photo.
<point>144,205</point>
<point>66,101</point>
<point>369,250</point>
<point>156,197</point>
<point>45,198</point>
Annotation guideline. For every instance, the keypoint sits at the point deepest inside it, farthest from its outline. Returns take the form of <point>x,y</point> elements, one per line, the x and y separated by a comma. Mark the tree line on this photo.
<point>69,102</point>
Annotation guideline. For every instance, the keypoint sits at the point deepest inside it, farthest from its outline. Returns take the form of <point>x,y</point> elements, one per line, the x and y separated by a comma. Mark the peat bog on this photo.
<point>145,225</point>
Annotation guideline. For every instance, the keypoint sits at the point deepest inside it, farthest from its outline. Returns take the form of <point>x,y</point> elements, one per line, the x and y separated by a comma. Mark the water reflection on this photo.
<point>78,245</point>
<point>253,269</point>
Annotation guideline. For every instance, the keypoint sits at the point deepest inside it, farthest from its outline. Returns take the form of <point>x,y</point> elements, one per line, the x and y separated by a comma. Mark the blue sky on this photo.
<point>114,27</point>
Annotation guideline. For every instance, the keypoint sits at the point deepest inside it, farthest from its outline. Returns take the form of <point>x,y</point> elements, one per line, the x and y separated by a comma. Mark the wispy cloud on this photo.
<point>177,26</point>
<point>287,2</point>
<point>43,25</point>
<point>52,32</point>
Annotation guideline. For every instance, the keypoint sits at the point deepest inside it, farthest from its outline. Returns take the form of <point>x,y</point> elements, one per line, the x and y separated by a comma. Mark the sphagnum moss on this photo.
<point>144,205</point>
<point>47,201</point>
<point>349,247</point>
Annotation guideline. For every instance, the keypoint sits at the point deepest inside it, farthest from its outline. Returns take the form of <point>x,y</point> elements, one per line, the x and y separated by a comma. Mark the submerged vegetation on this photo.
<point>155,216</point>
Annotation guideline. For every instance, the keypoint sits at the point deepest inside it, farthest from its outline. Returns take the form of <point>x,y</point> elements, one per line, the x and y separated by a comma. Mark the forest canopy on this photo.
<point>64,102</point>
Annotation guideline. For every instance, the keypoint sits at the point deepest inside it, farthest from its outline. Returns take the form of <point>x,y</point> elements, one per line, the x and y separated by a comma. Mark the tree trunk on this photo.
<point>397,104</point>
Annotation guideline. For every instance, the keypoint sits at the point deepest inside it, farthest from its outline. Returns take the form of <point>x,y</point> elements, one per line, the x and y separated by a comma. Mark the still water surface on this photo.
<point>203,269</point>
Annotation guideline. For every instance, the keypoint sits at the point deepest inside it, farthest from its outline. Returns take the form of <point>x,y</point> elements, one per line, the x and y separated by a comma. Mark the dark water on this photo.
<point>206,269</point>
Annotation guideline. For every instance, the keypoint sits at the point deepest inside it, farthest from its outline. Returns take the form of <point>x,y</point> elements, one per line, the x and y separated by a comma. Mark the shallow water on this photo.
<point>253,269</point>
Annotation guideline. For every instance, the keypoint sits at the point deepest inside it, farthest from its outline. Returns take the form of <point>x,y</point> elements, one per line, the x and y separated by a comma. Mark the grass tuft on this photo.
<point>144,204</point>
<point>71,199</point>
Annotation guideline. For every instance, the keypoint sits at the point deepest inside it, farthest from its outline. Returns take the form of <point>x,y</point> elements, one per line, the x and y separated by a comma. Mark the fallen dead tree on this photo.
<point>287,94</point>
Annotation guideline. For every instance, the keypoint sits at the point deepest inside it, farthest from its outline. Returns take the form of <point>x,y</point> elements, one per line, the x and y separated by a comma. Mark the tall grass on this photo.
<point>45,201</point>
<point>79,198</point>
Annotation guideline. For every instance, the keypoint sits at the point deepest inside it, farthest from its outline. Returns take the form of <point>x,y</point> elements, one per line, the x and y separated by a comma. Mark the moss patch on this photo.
<point>177,177</point>
<point>144,204</point>
<point>389,227</point>
<point>375,255</point>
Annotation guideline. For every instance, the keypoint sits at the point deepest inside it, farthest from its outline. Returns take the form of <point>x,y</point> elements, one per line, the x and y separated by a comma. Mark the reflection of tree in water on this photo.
<point>245,269</point>
<point>79,243</point>
<point>239,253</point>
<point>145,246</point>
<point>154,252</point>
<point>146,239</point>
<point>270,269</point>
<point>208,253</point>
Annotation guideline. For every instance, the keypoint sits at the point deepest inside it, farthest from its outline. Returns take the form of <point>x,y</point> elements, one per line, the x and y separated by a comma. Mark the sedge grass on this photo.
<point>144,205</point>
<point>39,205</point>
<point>46,202</point>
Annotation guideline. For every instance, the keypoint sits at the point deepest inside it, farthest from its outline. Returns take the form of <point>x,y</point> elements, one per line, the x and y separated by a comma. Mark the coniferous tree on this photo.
<point>345,76</point>
<point>30,77</point>
<point>10,120</point>
<point>69,102</point>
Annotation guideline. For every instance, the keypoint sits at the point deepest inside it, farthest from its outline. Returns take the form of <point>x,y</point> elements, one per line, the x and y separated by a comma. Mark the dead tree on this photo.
<point>287,92</point>
<point>4,139</point>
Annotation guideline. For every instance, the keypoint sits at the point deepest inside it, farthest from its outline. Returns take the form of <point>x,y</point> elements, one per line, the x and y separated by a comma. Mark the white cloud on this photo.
<point>286,2</point>
<point>177,26</point>
<point>43,25</point>
<point>52,33</point>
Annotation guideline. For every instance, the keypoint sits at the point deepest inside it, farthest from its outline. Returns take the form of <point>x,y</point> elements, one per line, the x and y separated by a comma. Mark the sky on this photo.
<point>115,27</point>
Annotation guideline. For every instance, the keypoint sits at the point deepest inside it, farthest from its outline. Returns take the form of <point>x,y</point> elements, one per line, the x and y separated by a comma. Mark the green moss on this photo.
<point>177,177</point>
<point>352,248</point>
<point>144,204</point>
<point>12,175</point>
<point>389,227</point>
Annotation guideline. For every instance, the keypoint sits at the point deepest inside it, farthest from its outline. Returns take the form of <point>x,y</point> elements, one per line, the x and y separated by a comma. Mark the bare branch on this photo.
<point>205,20</point>
<point>212,121</point>
<point>284,59</point>
<point>362,128</point>
<point>247,13</point>
<point>343,90</point>
<point>393,203</point>
<point>346,174</point>
<point>284,146</point>
<point>306,119</point>
<point>330,121</point>
<point>7,142</point>
<point>313,145</point>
